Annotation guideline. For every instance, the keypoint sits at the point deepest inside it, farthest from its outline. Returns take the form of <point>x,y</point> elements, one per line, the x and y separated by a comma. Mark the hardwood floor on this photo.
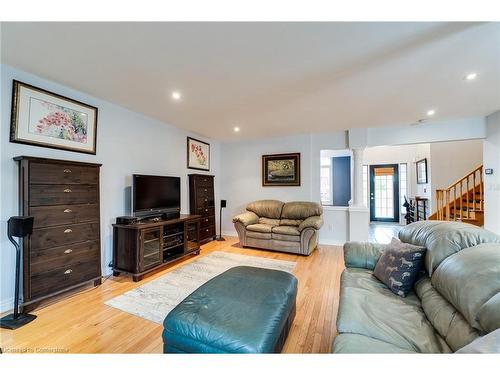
<point>82,323</point>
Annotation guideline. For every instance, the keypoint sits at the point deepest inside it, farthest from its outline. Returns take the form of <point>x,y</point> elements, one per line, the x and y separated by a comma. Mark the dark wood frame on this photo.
<point>16,85</point>
<point>128,245</point>
<point>29,303</point>
<point>395,189</point>
<point>187,154</point>
<point>266,158</point>
<point>424,160</point>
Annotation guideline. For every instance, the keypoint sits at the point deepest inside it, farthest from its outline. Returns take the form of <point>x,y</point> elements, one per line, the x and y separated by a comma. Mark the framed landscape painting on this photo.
<point>198,154</point>
<point>43,118</point>
<point>281,170</point>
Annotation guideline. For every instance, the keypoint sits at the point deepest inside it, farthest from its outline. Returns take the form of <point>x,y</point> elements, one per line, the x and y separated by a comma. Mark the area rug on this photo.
<point>154,300</point>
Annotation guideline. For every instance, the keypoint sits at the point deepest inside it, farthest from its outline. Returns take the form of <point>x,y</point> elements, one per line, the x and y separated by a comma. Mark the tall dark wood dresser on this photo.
<point>202,202</point>
<point>64,251</point>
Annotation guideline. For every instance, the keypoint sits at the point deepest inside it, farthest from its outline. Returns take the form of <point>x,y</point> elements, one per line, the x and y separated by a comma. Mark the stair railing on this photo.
<point>452,198</point>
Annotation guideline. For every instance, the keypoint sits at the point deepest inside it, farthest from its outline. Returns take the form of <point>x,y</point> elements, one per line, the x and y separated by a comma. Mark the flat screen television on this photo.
<point>155,195</point>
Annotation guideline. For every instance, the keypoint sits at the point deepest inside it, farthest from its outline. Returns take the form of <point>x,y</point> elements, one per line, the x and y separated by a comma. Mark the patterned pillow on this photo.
<point>399,266</point>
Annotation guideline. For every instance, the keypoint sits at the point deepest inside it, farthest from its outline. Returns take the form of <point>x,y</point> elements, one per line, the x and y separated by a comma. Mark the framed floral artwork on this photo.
<point>43,118</point>
<point>281,170</point>
<point>198,154</point>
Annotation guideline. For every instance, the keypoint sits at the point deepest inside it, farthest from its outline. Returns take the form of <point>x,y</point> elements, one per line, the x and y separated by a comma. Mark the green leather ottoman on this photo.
<point>243,310</point>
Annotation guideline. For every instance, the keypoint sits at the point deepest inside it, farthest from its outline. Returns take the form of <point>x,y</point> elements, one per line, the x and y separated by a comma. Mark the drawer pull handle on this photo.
<point>206,210</point>
<point>68,251</point>
<point>67,211</point>
<point>67,190</point>
<point>206,219</point>
<point>67,272</point>
<point>67,171</point>
<point>206,189</point>
<point>68,231</point>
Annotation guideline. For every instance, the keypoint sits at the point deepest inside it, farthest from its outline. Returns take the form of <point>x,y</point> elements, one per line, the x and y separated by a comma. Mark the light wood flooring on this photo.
<point>82,323</point>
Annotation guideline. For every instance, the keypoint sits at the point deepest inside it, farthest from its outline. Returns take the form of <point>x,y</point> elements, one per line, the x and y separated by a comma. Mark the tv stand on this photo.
<point>147,246</point>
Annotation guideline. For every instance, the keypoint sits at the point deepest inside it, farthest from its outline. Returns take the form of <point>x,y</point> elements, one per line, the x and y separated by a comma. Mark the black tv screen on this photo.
<point>155,194</point>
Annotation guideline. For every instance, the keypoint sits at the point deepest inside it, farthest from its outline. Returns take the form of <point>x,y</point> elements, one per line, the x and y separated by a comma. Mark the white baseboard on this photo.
<point>332,242</point>
<point>230,233</point>
<point>6,306</point>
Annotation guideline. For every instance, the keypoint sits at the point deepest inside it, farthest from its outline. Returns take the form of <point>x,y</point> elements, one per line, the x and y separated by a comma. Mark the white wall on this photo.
<point>491,155</point>
<point>241,177</point>
<point>127,143</point>
<point>408,154</point>
<point>453,160</point>
<point>433,131</point>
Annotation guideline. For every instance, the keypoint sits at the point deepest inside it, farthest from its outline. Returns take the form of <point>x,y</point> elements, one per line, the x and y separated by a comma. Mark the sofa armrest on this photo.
<point>362,254</point>
<point>315,222</point>
<point>246,218</point>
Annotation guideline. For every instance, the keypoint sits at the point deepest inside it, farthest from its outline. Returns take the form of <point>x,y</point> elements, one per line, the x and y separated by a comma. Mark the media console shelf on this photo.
<point>143,247</point>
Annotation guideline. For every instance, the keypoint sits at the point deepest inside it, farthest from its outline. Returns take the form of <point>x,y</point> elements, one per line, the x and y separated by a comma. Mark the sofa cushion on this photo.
<point>444,238</point>
<point>399,266</point>
<point>301,210</point>
<point>487,344</point>
<point>285,237</point>
<point>367,307</point>
<point>445,318</point>
<point>286,229</point>
<point>488,315</point>
<point>266,208</point>
<point>354,343</point>
<point>259,235</point>
<point>266,220</point>
<point>469,278</point>
<point>246,218</point>
<point>292,222</point>
<point>264,228</point>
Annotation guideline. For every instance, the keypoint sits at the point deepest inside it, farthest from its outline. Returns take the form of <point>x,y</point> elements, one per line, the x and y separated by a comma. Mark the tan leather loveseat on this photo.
<point>289,227</point>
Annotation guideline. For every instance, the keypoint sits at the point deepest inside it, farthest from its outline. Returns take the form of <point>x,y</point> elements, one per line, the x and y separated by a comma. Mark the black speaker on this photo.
<point>222,205</point>
<point>17,226</point>
<point>20,226</point>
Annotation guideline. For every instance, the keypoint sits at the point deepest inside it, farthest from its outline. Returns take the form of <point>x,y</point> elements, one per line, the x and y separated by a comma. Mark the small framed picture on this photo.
<point>281,170</point>
<point>198,154</point>
<point>422,171</point>
<point>43,118</point>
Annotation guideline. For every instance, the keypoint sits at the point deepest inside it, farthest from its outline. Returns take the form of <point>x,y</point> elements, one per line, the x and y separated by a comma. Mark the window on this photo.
<point>403,182</point>
<point>335,177</point>
<point>326,181</point>
<point>365,185</point>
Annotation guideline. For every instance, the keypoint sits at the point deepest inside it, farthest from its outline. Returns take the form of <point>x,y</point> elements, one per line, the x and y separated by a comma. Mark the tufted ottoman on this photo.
<point>243,310</point>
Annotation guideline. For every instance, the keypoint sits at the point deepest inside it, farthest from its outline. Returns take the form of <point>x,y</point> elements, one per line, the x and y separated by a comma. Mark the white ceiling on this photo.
<point>270,78</point>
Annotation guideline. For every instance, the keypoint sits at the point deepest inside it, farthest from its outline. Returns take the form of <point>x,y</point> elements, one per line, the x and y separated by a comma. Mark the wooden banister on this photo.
<point>450,201</point>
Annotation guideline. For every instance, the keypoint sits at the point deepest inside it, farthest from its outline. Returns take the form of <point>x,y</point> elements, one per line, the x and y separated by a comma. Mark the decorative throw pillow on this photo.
<point>399,266</point>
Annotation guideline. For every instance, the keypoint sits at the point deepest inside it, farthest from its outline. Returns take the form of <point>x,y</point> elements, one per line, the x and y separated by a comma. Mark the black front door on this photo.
<point>384,192</point>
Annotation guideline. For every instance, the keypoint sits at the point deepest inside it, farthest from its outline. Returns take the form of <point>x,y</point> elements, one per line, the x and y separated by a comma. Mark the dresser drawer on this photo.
<point>46,216</point>
<point>205,181</point>
<point>204,192</point>
<point>55,280</point>
<point>207,211</point>
<point>63,235</point>
<point>207,233</point>
<point>58,257</point>
<point>48,195</point>
<point>41,173</point>
<point>205,202</point>
<point>207,221</point>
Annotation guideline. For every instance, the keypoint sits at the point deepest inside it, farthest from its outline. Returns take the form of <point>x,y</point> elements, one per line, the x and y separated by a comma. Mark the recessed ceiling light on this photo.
<point>471,76</point>
<point>236,129</point>
<point>176,95</point>
<point>431,112</point>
